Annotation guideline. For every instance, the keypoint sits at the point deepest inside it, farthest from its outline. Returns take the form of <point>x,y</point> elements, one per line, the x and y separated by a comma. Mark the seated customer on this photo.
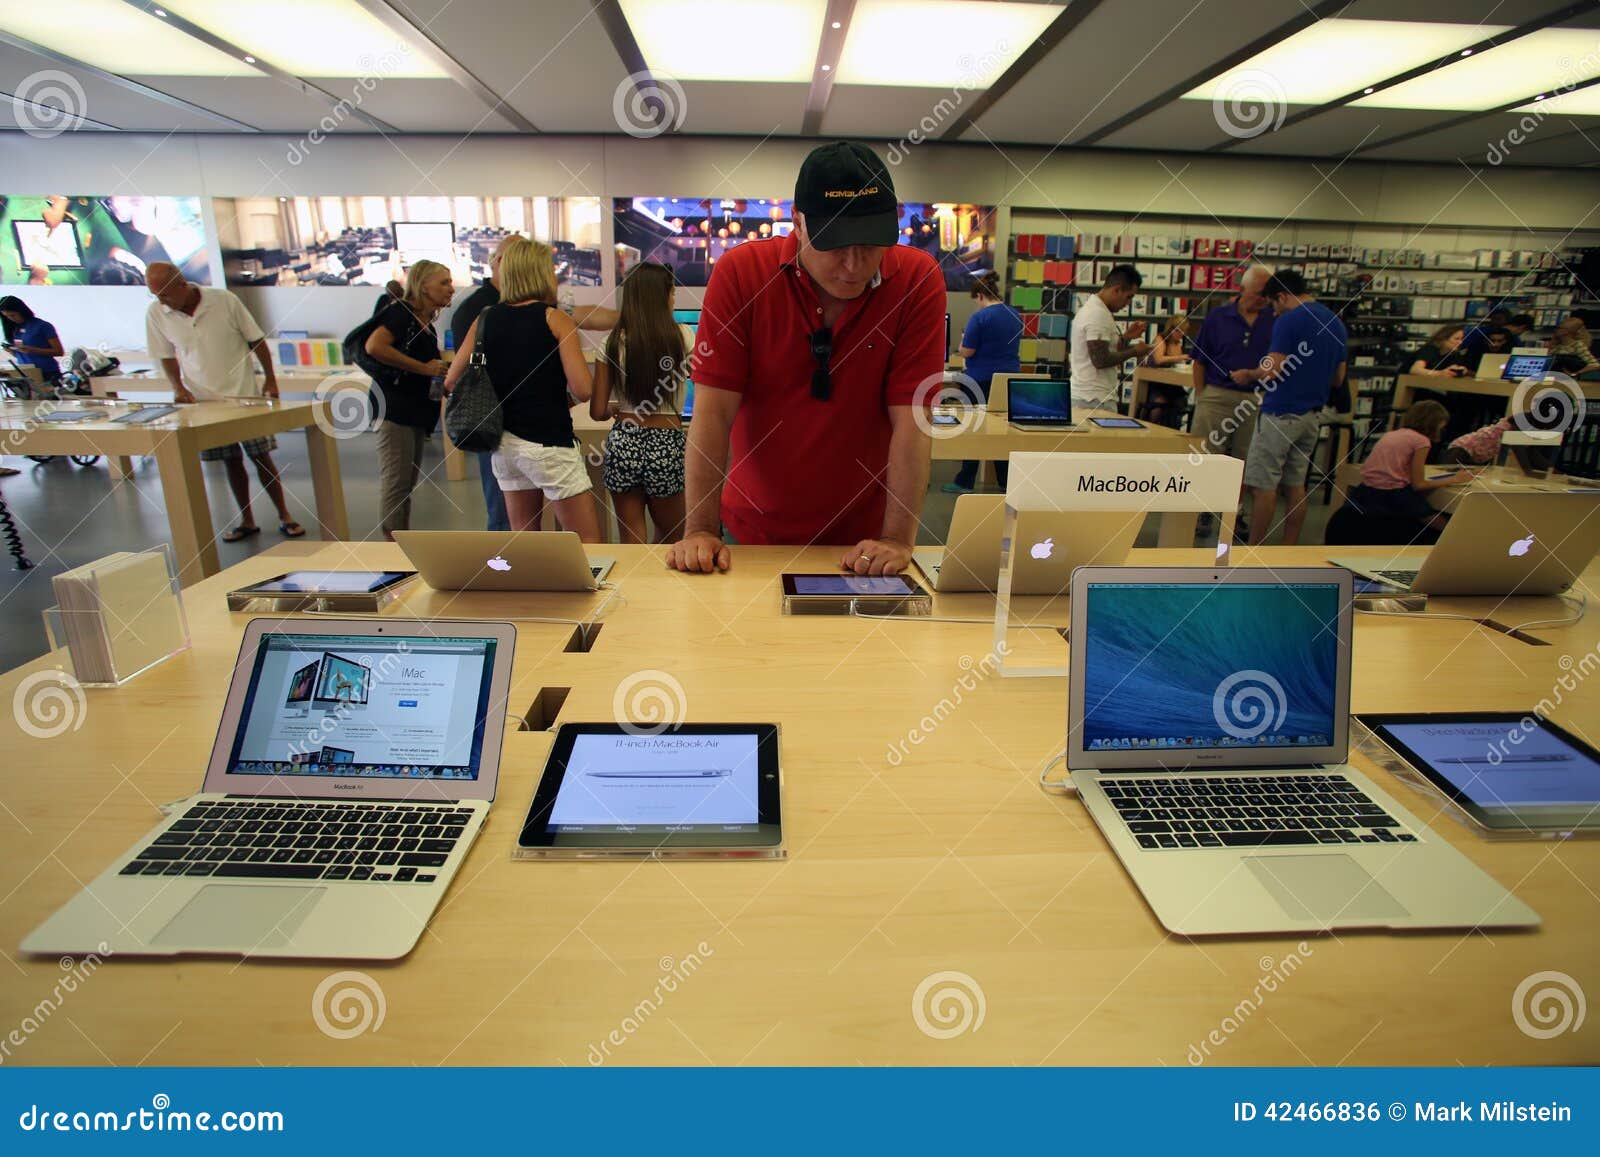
<point>1442,357</point>
<point>1569,348</point>
<point>1164,403</point>
<point>1479,447</point>
<point>1394,484</point>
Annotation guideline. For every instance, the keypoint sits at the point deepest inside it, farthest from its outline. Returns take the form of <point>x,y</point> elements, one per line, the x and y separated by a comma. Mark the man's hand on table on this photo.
<point>699,552</point>
<point>876,556</point>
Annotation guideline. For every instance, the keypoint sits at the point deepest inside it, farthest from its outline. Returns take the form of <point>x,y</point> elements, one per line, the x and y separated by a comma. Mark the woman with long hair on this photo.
<point>1442,357</point>
<point>641,381</point>
<point>31,340</point>
<point>403,340</point>
<point>535,360</point>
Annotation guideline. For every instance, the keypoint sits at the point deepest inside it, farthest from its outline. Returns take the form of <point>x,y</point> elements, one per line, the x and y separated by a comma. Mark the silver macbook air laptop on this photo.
<point>1498,542</point>
<point>502,560</point>
<point>1051,546</point>
<point>353,768</point>
<point>1037,403</point>
<point>1207,731</point>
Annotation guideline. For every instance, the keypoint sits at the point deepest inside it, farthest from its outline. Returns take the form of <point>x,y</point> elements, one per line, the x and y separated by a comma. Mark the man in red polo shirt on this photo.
<point>808,361</point>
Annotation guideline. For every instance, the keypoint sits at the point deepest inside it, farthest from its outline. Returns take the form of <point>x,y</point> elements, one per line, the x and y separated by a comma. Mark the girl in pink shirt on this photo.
<point>1394,484</point>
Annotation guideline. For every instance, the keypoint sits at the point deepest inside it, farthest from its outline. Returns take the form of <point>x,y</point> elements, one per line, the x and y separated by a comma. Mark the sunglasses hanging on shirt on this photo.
<point>821,378</point>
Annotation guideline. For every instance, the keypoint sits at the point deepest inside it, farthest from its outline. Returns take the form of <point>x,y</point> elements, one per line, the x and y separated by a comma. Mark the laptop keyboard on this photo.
<point>293,840</point>
<point>1404,577</point>
<point>1254,811</point>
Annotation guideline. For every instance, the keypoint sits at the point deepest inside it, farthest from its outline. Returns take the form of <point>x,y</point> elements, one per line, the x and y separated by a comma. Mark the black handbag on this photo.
<point>472,419</point>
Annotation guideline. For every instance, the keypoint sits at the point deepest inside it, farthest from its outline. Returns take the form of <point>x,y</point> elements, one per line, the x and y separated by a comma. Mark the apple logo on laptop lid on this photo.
<point>1043,549</point>
<point>1520,547</point>
<point>498,563</point>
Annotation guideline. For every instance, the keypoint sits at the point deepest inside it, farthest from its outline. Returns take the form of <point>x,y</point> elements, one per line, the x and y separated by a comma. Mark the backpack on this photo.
<point>354,351</point>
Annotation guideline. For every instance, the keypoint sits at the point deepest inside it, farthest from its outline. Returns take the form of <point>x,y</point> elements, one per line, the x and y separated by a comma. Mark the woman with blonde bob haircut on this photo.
<point>535,361</point>
<point>403,340</point>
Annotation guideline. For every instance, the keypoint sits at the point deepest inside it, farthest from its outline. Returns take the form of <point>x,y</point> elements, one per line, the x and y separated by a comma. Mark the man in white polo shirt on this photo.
<point>1099,346</point>
<point>204,338</point>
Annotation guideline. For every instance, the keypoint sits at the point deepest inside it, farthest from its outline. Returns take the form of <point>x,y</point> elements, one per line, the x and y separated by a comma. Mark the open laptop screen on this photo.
<point>1197,667</point>
<point>379,707</point>
<point>1520,366</point>
<point>1040,398</point>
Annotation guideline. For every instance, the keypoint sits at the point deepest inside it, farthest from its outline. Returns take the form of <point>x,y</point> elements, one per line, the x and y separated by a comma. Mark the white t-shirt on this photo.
<point>1092,388</point>
<point>212,347</point>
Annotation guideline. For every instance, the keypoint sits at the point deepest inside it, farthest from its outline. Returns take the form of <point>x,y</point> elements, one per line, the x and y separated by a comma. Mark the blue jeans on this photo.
<point>493,500</point>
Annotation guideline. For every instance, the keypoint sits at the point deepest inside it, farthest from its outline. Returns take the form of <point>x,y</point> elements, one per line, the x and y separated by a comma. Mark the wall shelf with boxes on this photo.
<point>1410,279</point>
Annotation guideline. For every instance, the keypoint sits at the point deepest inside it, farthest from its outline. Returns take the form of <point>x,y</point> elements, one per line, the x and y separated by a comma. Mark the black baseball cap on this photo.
<point>845,191</point>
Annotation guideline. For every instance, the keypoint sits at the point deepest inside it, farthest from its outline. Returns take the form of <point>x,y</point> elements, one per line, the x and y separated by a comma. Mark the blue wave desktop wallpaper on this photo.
<point>1211,665</point>
<point>1039,400</point>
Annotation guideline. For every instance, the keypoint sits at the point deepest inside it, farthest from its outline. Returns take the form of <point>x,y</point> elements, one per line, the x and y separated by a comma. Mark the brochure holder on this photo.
<point>119,616</point>
<point>1137,483</point>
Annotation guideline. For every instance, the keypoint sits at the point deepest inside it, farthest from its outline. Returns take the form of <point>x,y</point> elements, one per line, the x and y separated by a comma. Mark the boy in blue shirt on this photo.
<point>1306,363</point>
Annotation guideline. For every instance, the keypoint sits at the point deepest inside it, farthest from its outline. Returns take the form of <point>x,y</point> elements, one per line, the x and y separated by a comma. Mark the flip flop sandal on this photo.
<point>291,530</point>
<point>239,533</point>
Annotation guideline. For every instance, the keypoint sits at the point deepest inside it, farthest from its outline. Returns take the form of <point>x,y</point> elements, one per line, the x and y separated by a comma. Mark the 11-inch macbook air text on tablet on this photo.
<point>1211,753</point>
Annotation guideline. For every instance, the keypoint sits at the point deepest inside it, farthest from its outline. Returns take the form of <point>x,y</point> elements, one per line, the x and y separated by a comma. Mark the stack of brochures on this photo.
<point>120,615</point>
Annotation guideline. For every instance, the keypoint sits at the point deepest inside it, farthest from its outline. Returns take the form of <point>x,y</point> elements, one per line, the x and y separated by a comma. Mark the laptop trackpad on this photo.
<point>1327,887</point>
<point>239,918</point>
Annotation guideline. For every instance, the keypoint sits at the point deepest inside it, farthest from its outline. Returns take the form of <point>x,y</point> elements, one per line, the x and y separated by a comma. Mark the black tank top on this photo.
<point>525,367</point>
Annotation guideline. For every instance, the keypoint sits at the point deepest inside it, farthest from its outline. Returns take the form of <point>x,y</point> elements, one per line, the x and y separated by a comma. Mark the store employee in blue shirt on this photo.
<point>989,345</point>
<point>1306,363</point>
<point>31,340</point>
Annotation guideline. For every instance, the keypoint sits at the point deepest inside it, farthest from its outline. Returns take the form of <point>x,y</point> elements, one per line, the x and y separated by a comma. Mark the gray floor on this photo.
<point>69,515</point>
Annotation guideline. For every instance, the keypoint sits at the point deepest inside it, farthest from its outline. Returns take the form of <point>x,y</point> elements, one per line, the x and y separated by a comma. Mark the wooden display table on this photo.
<point>176,441</point>
<point>905,860</point>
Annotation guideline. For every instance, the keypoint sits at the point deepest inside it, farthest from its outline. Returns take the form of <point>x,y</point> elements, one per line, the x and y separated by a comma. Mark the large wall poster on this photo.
<point>92,240</point>
<point>372,240</point>
<point>690,234</point>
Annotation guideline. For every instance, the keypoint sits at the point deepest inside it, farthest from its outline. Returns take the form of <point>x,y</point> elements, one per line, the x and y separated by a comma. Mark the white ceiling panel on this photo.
<point>551,61</point>
<point>102,100</point>
<point>270,105</point>
<point>418,106</point>
<point>743,109</point>
<point>1117,59</point>
<point>892,114</point>
<point>1337,132</point>
<point>1483,139</point>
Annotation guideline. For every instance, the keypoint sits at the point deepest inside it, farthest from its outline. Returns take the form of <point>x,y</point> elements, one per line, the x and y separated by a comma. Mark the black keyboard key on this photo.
<point>1264,839</point>
<point>1185,840</point>
<point>271,871</point>
<point>137,867</point>
<point>1149,827</point>
<point>1406,838</point>
<point>185,825</point>
<point>1207,840</point>
<point>437,846</point>
<point>426,877</point>
<point>201,868</point>
<point>383,876</point>
<point>406,875</point>
<point>422,860</point>
<point>175,839</point>
<point>340,872</point>
<point>162,853</point>
<point>1386,836</point>
<point>1146,841</point>
<point>361,873</point>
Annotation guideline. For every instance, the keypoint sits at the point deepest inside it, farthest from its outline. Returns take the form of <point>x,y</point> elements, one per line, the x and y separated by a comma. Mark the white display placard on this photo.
<point>1136,483</point>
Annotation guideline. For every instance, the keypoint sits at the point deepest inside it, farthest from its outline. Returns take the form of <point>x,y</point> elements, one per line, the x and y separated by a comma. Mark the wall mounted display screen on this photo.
<point>373,240</point>
<point>90,240</point>
<point>690,234</point>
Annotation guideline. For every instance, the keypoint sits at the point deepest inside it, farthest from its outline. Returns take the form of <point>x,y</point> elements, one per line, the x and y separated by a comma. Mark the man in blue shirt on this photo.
<point>990,346</point>
<point>1306,362</point>
<point>1233,342</point>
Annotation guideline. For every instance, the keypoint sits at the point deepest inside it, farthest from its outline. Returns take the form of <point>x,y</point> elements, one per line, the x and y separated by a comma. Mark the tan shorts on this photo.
<point>1225,420</point>
<point>556,471</point>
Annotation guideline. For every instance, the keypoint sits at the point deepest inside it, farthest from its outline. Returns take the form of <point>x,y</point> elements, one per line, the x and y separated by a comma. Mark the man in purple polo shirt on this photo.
<point>1229,355</point>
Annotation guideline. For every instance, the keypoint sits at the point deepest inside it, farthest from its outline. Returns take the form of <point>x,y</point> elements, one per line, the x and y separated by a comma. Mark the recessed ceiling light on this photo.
<point>161,12</point>
<point>119,38</point>
<point>827,68</point>
<point>1367,89</point>
<point>1584,102</point>
<point>314,38</point>
<point>1335,57</point>
<point>1466,52</point>
<point>1497,76</point>
<point>994,33</point>
<point>687,41</point>
<point>249,59</point>
<point>836,24</point>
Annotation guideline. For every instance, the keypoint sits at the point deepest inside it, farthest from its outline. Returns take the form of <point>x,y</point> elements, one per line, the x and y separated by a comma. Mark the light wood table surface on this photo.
<point>947,859</point>
<point>1407,385</point>
<point>175,442</point>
